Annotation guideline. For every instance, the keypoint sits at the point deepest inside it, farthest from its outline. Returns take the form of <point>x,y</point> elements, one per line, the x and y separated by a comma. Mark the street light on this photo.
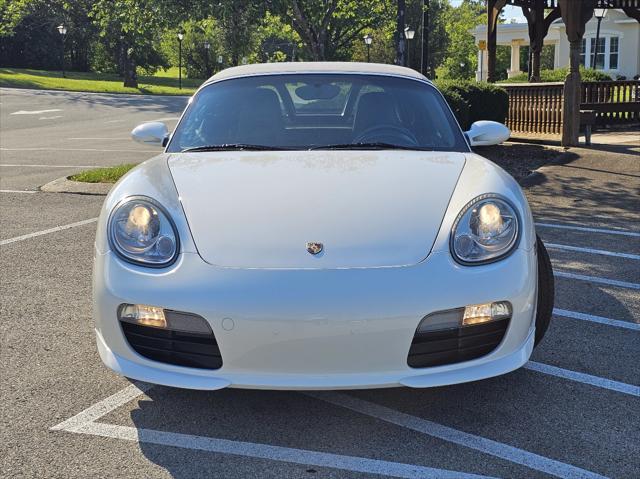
<point>207,47</point>
<point>180,38</point>
<point>62,30</point>
<point>408,34</point>
<point>599,13</point>
<point>368,40</point>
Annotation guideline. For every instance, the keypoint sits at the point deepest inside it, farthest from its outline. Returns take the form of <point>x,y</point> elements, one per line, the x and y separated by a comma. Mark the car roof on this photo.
<point>316,67</point>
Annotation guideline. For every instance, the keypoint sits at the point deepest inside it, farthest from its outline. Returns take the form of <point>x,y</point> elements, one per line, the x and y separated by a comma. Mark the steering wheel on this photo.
<point>387,134</point>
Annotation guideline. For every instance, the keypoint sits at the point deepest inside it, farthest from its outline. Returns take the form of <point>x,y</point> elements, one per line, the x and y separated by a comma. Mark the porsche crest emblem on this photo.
<point>314,248</point>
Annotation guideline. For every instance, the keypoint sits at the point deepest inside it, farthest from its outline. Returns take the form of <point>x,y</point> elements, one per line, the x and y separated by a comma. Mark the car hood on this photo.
<point>367,208</point>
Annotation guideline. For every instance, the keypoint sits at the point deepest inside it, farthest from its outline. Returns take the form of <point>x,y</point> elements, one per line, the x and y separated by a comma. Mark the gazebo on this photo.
<point>540,14</point>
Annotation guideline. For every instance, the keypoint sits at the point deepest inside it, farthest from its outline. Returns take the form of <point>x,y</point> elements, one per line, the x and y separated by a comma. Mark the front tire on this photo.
<point>545,291</point>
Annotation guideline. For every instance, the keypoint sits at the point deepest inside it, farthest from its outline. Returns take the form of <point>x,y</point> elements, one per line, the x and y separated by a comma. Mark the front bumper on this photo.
<point>315,329</point>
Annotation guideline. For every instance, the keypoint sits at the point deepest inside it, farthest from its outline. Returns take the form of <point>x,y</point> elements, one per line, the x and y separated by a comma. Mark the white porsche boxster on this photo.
<point>318,226</point>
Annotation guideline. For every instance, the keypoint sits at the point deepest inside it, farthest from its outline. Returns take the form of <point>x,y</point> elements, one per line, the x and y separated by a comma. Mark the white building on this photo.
<point>619,45</point>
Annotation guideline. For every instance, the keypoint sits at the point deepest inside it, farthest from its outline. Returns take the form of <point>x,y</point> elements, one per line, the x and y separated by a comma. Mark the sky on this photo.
<point>509,12</point>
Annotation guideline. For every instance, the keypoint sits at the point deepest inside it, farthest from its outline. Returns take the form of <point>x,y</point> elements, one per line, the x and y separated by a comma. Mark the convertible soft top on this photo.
<point>315,67</point>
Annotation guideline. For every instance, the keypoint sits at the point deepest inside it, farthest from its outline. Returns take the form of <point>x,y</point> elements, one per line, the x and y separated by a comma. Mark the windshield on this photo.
<point>316,111</point>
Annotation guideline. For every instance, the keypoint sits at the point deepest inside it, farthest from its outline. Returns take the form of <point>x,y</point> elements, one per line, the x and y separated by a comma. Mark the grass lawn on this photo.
<point>102,175</point>
<point>163,83</point>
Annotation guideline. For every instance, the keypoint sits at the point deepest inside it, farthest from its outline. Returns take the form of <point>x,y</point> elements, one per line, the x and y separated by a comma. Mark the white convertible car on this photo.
<point>318,226</point>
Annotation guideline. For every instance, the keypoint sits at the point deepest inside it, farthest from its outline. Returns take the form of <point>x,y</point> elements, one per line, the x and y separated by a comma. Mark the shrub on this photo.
<point>458,105</point>
<point>559,75</point>
<point>480,101</point>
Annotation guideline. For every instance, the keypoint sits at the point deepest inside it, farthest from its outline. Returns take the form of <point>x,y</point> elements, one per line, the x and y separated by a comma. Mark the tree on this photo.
<point>461,59</point>
<point>328,27</point>
<point>437,29</point>
<point>29,31</point>
<point>133,27</point>
<point>277,40</point>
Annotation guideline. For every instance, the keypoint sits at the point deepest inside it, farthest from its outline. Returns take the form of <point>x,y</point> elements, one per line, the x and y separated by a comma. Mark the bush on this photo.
<point>559,75</point>
<point>458,105</point>
<point>472,101</point>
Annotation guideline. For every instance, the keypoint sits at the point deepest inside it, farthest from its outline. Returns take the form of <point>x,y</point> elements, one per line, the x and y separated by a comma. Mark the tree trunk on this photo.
<point>534,73</point>
<point>130,75</point>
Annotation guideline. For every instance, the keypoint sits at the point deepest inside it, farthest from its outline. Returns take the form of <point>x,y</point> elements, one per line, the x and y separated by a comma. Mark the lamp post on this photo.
<point>180,38</point>
<point>207,47</point>
<point>599,13</point>
<point>408,34</point>
<point>368,40</point>
<point>62,30</point>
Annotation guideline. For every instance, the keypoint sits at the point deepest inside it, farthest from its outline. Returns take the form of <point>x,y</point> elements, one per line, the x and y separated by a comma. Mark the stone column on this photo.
<point>515,58</point>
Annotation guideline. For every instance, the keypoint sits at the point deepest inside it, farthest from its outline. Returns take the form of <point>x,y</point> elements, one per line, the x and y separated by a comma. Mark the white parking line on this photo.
<point>596,279</point>
<point>18,191</point>
<point>52,166</point>
<point>80,149</point>
<point>597,319</point>
<point>583,378</point>
<point>34,112</point>
<point>592,251</point>
<point>50,117</point>
<point>590,230</point>
<point>119,139</point>
<point>445,433</point>
<point>85,423</point>
<point>272,453</point>
<point>104,407</point>
<point>45,232</point>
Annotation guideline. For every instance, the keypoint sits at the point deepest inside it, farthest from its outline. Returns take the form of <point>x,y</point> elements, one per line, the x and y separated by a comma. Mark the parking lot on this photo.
<point>572,411</point>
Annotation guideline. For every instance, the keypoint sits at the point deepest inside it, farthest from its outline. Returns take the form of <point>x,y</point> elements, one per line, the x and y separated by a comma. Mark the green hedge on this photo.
<point>472,101</point>
<point>559,75</point>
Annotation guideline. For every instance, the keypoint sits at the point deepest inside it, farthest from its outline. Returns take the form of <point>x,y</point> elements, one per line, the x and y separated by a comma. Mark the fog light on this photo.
<point>483,313</point>
<point>155,317</point>
<point>467,316</point>
<point>143,315</point>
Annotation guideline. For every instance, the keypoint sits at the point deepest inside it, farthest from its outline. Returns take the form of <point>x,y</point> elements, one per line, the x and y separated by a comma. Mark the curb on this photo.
<point>65,185</point>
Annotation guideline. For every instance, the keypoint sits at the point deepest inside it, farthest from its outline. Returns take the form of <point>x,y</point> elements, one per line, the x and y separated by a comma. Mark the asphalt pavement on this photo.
<point>573,411</point>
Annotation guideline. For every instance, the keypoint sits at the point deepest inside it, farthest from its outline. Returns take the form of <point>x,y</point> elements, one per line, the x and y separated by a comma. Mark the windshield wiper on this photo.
<point>376,145</point>
<point>233,146</point>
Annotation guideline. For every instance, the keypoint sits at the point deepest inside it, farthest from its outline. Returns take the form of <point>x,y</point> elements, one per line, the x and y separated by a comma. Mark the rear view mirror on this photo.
<point>487,133</point>
<point>151,133</point>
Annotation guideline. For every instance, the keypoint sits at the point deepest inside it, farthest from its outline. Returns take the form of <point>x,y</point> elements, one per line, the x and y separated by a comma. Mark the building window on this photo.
<point>606,56</point>
<point>600,52</point>
<point>613,53</point>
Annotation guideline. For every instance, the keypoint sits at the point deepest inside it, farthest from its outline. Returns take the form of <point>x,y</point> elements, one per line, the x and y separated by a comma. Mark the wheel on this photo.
<point>545,292</point>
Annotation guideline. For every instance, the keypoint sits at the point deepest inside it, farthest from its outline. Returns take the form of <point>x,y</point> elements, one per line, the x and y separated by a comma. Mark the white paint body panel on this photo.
<point>326,328</point>
<point>368,208</point>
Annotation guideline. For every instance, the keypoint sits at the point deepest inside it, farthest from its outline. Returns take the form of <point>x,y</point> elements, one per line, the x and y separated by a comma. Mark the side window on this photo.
<point>583,52</point>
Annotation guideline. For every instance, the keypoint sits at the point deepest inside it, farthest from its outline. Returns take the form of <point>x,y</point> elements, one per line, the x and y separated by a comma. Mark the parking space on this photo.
<point>572,411</point>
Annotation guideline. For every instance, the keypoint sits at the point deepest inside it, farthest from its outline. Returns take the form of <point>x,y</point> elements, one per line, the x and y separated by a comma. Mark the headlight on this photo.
<point>140,231</point>
<point>485,230</point>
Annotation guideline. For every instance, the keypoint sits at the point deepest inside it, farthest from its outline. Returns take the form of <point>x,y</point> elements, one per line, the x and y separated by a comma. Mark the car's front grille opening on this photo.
<point>194,350</point>
<point>455,345</point>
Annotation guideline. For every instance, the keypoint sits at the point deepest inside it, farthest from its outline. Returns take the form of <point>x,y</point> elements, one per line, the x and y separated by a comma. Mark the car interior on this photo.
<point>306,111</point>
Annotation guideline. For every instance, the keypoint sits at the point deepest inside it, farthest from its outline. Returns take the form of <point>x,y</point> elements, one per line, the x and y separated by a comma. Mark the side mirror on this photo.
<point>151,133</point>
<point>487,133</point>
